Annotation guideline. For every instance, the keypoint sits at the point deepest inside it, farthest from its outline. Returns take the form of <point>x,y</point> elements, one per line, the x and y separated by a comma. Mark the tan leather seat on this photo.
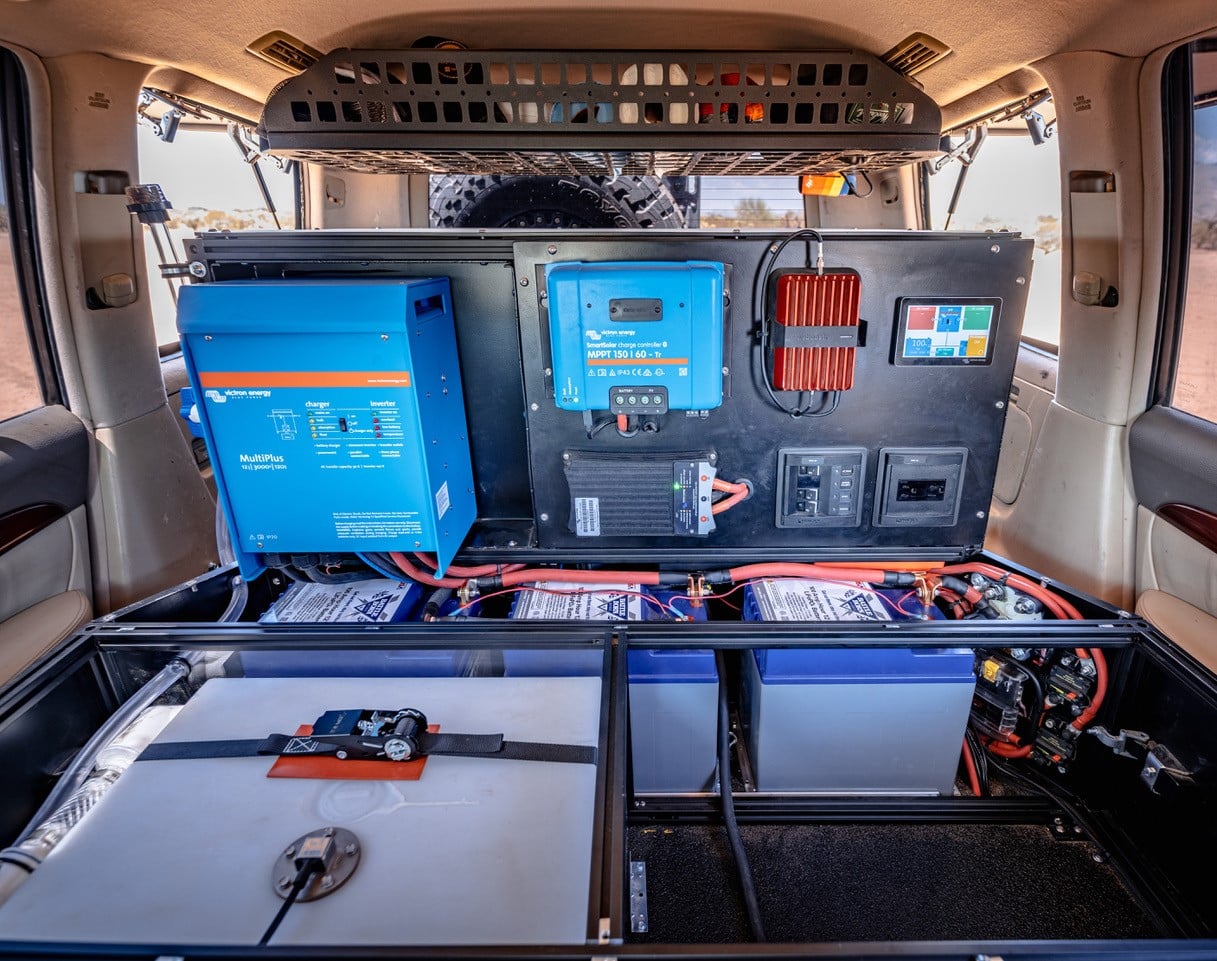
<point>1191,628</point>
<point>29,634</point>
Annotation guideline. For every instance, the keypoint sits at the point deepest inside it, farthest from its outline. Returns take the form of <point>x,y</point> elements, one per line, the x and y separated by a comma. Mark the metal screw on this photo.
<point>418,543</point>
<point>342,755</point>
<point>198,269</point>
<point>284,882</point>
<point>726,371</point>
<point>259,543</point>
<point>384,336</point>
<point>980,515</point>
<point>512,544</point>
<point>566,456</point>
<point>289,853</point>
<point>1000,405</point>
<point>1020,280</point>
<point>207,336</point>
<point>445,391</point>
<point>544,517</point>
<point>1059,829</point>
<point>523,281</point>
<point>327,881</point>
<point>350,848</point>
<point>1097,857</point>
<point>549,372</point>
<point>534,407</point>
<point>996,248</point>
<point>552,249</point>
<point>329,832</point>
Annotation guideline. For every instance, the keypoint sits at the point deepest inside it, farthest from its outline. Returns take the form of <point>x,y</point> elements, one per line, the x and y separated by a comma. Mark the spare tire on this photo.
<point>548,202</point>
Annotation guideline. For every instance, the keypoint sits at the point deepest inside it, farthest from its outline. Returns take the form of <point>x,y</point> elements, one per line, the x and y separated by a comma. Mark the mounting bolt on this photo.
<point>259,543</point>
<point>1020,280</point>
<point>1097,857</point>
<point>207,336</point>
<point>1000,405</point>
<point>327,881</point>
<point>350,849</point>
<point>534,407</point>
<point>566,456</point>
<point>549,372</point>
<point>290,853</point>
<point>384,337</point>
<point>544,517</point>
<point>552,249</point>
<point>523,281</point>
<point>980,515</point>
<point>198,269</point>
<point>996,249</point>
<point>726,371</point>
<point>284,882</point>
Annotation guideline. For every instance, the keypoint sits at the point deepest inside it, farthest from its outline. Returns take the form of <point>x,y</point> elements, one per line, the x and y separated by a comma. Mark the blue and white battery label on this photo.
<point>802,600</point>
<point>373,601</point>
<point>562,601</point>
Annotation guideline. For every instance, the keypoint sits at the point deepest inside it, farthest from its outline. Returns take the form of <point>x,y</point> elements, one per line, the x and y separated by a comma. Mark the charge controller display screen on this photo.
<point>958,331</point>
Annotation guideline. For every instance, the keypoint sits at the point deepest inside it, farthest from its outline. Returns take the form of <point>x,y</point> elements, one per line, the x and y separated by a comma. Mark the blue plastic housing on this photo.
<point>837,665</point>
<point>641,324</point>
<point>333,413</point>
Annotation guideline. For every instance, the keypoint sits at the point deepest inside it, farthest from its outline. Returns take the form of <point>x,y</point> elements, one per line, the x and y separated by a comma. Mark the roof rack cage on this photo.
<point>609,113</point>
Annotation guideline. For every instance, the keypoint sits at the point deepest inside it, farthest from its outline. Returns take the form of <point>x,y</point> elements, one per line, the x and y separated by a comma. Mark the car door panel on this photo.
<point>45,569</point>
<point>1173,458</point>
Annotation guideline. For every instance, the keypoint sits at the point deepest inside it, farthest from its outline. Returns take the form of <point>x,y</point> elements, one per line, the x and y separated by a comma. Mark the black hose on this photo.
<point>751,904</point>
<point>439,597</point>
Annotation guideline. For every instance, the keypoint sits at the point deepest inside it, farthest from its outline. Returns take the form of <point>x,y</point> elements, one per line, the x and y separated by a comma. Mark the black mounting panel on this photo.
<point>607,113</point>
<point>518,435</point>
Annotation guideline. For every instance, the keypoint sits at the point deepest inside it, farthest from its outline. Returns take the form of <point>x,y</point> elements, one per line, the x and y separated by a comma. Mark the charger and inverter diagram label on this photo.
<point>608,602</point>
<point>298,425</point>
<point>801,600</point>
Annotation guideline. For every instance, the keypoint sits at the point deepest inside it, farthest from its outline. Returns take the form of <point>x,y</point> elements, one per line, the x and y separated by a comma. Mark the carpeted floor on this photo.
<point>897,882</point>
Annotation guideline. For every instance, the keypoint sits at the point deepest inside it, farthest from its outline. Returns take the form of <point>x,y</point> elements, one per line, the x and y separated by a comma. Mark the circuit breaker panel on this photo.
<point>334,414</point>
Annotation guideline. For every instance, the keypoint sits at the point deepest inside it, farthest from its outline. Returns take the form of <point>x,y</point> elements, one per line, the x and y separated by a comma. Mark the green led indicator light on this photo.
<point>676,487</point>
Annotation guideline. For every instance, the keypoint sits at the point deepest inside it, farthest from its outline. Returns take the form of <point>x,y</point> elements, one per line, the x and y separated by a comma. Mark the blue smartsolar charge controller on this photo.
<point>636,337</point>
<point>333,414</point>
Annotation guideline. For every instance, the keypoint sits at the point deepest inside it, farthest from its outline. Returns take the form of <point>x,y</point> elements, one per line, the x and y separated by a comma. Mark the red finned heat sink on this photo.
<point>805,299</point>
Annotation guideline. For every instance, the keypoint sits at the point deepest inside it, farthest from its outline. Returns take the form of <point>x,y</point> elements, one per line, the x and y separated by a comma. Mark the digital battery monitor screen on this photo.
<point>940,331</point>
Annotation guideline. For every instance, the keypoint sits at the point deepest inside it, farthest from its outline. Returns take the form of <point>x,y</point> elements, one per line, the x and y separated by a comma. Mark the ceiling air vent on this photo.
<point>915,53</point>
<point>284,51</point>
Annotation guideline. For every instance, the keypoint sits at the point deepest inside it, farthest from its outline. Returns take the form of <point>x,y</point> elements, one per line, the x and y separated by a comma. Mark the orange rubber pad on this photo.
<point>329,768</point>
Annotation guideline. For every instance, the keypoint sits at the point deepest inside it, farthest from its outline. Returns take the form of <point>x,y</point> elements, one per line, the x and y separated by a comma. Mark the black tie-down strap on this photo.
<point>373,735</point>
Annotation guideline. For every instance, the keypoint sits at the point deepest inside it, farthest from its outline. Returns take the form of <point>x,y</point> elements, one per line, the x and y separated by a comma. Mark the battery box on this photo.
<point>333,413</point>
<point>636,338</point>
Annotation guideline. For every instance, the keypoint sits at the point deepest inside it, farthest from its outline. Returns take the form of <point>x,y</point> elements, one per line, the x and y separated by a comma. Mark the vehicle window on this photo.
<point>1195,389</point>
<point>20,385</point>
<point>666,202</point>
<point>1013,184</point>
<point>211,187</point>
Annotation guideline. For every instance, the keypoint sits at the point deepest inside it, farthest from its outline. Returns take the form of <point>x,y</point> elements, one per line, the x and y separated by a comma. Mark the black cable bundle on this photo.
<point>751,904</point>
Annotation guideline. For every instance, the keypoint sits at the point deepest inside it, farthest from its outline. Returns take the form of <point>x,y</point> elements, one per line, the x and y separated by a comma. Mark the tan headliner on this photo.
<point>992,39</point>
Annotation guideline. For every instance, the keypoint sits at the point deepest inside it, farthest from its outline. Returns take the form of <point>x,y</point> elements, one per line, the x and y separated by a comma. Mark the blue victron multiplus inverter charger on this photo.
<point>333,414</point>
<point>636,338</point>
